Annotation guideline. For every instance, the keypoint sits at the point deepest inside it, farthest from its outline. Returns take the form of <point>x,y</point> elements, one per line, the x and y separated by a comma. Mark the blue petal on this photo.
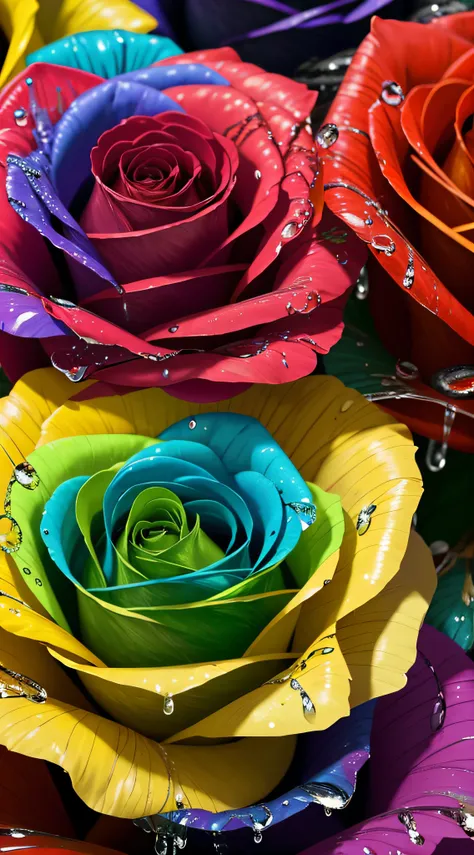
<point>325,762</point>
<point>106,53</point>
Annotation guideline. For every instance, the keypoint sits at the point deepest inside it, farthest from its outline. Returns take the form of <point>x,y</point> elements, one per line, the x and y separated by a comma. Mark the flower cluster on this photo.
<point>220,323</point>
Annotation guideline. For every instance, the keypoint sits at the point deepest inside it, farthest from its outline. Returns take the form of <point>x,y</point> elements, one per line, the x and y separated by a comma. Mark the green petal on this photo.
<point>55,463</point>
<point>321,539</point>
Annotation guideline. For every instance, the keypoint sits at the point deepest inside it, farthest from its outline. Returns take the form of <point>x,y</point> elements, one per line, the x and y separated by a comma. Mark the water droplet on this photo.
<point>438,715</point>
<point>392,93</point>
<point>455,382</point>
<point>407,819</point>
<point>327,582</point>
<point>383,243</point>
<point>165,372</point>
<point>10,541</point>
<point>327,135</point>
<point>27,571</point>
<point>258,174</point>
<point>21,117</point>
<point>258,837</point>
<point>173,329</point>
<point>289,230</point>
<point>329,796</point>
<point>406,370</point>
<point>26,476</point>
<point>439,547</point>
<point>39,583</point>
<point>436,453</point>
<point>309,709</point>
<point>409,276</point>
<point>346,406</point>
<point>327,811</point>
<point>192,424</point>
<point>285,803</point>
<point>15,612</point>
<point>369,221</point>
<point>168,705</point>
<point>364,519</point>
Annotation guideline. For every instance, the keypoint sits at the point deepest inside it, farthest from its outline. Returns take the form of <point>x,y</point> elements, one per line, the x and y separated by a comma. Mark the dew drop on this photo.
<point>173,329</point>
<point>346,406</point>
<point>168,705</point>
<point>165,372</point>
<point>369,221</point>
<point>289,230</point>
<point>392,93</point>
<point>383,243</point>
<point>192,424</point>
<point>327,135</point>
<point>26,476</point>
<point>258,837</point>
<point>327,582</point>
<point>258,174</point>
<point>21,117</point>
<point>406,370</point>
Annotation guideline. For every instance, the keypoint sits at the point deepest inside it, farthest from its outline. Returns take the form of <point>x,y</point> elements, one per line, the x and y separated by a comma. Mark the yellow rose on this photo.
<point>221,734</point>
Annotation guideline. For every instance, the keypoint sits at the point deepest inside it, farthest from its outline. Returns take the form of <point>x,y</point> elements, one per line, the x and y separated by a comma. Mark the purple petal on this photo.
<point>25,316</point>
<point>323,772</point>
<point>33,197</point>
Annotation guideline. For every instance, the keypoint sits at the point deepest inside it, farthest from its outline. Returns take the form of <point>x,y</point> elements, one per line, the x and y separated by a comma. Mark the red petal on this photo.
<point>260,85</point>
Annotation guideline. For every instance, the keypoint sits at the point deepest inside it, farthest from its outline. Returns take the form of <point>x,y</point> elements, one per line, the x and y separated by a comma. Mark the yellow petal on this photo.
<point>17,20</point>
<point>138,697</point>
<point>311,695</point>
<point>58,18</point>
<point>24,622</point>
<point>379,638</point>
<point>117,771</point>
<point>32,660</point>
<point>23,412</point>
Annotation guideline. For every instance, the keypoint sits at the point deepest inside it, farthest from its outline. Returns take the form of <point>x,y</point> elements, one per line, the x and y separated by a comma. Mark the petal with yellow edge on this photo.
<point>311,695</point>
<point>379,638</point>
<point>57,18</point>
<point>116,770</point>
<point>17,20</point>
<point>28,24</point>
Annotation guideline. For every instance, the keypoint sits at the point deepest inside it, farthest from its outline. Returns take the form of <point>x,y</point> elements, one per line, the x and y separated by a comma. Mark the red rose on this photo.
<point>401,175</point>
<point>196,248</point>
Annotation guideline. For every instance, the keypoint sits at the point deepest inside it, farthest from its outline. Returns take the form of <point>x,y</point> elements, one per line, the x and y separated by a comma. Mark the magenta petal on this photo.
<point>422,761</point>
<point>283,362</point>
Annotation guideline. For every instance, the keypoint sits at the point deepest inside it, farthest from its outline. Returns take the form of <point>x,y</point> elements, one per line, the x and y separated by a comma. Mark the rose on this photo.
<point>26,26</point>
<point>398,152</point>
<point>278,36</point>
<point>286,675</point>
<point>409,723</point>
<point>403,807</point>
<point>205,259</point>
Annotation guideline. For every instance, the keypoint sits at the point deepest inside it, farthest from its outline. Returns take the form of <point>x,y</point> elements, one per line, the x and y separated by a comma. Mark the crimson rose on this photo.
<point>174,223</point>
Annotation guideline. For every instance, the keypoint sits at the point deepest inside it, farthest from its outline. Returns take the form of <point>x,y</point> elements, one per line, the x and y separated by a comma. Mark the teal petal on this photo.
<point>243,444</point>
<point>448,612</point>
<point>106,53</point>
